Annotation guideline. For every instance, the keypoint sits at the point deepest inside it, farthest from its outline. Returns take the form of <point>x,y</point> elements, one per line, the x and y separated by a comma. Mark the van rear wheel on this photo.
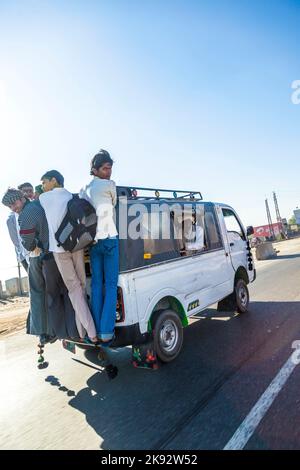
<point>167,335</point>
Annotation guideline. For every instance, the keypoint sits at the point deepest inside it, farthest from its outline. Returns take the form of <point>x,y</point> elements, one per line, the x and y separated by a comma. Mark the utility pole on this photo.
<point>278,216</point>
<point>20,279</point>
<point>271,229</point>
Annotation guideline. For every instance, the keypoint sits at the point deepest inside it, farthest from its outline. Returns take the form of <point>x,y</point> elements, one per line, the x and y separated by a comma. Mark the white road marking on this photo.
<point>250,423</point>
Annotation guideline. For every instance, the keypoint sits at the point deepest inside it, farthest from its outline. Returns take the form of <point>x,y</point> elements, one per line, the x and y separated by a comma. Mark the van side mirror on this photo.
<point>250,230</point>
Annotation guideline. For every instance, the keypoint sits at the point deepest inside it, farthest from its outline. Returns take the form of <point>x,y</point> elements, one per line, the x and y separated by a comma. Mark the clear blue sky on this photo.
<point>184,94</point>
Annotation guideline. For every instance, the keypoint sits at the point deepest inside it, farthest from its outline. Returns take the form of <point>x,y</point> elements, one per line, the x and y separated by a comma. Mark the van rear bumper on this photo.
<point>128,335</point>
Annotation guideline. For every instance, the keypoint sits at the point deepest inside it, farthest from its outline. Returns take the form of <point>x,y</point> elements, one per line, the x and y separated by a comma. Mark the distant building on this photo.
<point>264,230</point>
<point>297,216</point>
<point>12,286</point>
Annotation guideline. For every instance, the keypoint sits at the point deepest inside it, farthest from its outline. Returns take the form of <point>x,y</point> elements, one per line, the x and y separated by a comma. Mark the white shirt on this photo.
<point>54,203</point>
<point>198,243</point>
<point>102,195</point>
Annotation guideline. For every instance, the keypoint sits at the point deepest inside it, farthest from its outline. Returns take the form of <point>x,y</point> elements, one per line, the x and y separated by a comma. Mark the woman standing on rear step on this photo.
<point>104,254</point>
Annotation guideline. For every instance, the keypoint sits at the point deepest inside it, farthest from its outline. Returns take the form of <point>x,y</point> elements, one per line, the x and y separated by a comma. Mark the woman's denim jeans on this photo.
<point>104,256</point>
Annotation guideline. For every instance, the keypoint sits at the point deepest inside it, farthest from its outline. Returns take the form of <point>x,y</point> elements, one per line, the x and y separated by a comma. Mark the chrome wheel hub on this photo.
<point>168,335</point>
<point>243,296</point>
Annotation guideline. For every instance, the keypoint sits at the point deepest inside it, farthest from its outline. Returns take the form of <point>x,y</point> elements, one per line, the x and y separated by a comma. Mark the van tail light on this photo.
<point>120,310</point>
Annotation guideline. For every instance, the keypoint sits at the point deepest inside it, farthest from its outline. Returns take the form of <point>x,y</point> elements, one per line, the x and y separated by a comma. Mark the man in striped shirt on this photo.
<point>51,311</point>
<point>13,228</point>
<point>33,231</point>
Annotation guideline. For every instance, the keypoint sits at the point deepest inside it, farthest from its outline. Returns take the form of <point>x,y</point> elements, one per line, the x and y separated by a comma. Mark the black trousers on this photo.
<point>38,298</point>
<point>61,315</point>
<point>25,265</point>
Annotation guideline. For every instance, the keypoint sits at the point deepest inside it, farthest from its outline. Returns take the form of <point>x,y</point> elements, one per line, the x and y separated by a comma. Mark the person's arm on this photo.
<point>200,237</point>
<point>13,233</point>
<point>27,225</point>
<point>113,193</point>
<point>83,195</point>
<point>42,232</point>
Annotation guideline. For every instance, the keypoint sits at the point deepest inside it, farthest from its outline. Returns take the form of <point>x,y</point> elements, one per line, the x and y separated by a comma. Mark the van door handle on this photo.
<point>231,244</point>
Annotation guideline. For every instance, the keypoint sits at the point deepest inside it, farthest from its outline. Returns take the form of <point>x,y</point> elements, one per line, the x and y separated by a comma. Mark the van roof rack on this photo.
<point>132,193</point>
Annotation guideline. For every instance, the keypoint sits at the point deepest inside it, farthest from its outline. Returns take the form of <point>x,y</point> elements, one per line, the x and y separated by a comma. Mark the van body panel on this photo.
<point>129,295</point>
<point>235,245</point>
<point>195,281</point>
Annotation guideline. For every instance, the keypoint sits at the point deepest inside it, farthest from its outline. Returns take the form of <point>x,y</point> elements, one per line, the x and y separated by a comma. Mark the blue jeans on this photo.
<point>104,257</point>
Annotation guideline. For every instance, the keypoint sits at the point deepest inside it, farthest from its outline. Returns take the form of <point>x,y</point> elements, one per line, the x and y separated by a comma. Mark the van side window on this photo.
<point>189,229</point>
<point>233,226</point>
<point>158,235</point>
<point>155,241</point>
<point>212,229</point>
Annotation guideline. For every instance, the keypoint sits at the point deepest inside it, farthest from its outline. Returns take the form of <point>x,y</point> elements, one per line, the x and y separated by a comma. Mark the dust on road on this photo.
<point>13,314</point>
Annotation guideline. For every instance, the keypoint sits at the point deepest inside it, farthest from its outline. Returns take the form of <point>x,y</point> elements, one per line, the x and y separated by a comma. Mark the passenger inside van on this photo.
<point>193,235</point>
<point>189,233</point>
<point>195,239</point>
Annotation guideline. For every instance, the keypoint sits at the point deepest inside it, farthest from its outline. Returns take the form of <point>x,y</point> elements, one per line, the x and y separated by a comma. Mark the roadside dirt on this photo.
<point>13,314</point>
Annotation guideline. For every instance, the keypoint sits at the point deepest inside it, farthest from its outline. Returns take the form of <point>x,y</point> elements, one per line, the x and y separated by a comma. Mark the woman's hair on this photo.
<point>100,159</point>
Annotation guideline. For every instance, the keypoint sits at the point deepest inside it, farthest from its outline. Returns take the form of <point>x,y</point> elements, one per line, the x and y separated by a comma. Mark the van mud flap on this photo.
<point>144,356</point>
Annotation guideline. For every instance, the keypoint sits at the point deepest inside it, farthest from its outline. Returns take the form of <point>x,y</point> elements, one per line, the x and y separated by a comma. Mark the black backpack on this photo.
<point>78,228</point>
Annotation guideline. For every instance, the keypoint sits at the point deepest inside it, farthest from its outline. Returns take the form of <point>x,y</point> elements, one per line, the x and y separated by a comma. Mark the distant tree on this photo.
<point>292,220</point>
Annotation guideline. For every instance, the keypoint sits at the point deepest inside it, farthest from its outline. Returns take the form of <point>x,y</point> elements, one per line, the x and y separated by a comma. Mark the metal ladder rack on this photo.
<point>131,192</point>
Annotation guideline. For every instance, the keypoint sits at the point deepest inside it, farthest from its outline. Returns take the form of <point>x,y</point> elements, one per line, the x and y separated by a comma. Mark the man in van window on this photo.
<point>194,235</point>
<point>71,266</point>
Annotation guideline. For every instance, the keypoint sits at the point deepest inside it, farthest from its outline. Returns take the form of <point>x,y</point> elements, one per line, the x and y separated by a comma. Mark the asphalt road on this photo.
<point>197,402</point>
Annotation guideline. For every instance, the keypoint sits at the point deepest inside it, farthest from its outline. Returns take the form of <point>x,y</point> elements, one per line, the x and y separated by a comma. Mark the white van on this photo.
<point>162,282</point>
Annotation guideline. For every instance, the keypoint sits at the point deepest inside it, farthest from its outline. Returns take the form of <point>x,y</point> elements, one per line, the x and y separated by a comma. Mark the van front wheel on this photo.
<point>167,336</point>
<point>242,296</point>
<point>237,301</point>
